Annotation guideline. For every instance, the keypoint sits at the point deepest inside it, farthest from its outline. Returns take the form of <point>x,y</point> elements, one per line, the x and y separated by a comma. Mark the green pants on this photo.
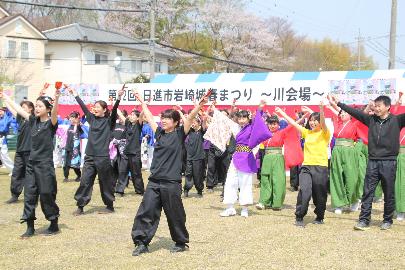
<point>400,184</point>
<point>344,176</point>
<point>272,183</point>
<point>362,158</point>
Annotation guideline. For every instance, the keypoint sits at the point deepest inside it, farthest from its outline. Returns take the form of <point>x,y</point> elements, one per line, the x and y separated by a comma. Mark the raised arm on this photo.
<point>84,108</point>
<point>116,104</point>
<point>16,107</point>
<point>55,108</point>
<point>322,117</point>
<point>146,111</point>
<point>193,114</point>
<point>359,115</point>
<point>288,119</point>
<point>121,116</point>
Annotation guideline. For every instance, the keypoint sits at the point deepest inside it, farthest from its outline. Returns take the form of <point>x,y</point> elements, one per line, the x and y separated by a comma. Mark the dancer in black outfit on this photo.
<point>40,180</point>
<point>97,160</point>
<point>164,187</point>
<point>72,148</point>
<point>22,152</point>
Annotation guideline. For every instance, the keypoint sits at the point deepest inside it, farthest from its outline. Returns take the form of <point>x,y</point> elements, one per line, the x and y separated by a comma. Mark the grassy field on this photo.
<point>266,240</point>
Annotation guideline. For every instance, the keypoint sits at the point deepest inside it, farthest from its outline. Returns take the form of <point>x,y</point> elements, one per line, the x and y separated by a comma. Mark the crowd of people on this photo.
<point>365,153</point>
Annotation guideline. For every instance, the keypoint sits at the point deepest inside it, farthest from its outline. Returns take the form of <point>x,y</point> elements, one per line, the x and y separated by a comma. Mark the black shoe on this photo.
<point>79,211</point>
<point>30,230</point>
<point>13,199</point>
<point>179,248</point>
<point>185,194</point>
<point>361,226</point>
<point>78,179</point>
<point>318,221</point>
<point>386,226</point>
<point>53,228</point>
<point>299,223</point>
<point>141,248</point>
<point>110,209</point>
<point>199,194</point>
<point>293,189</point>
<point>65,180</point>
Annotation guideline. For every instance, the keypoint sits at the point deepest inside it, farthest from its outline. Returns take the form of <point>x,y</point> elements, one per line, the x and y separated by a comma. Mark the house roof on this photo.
<point>78,32</point>
<point>4,21</point>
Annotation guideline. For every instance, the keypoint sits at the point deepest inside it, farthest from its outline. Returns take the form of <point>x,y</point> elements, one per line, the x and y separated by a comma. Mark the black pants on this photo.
<point>158,194</point>
<point>313,182</point>
<point>183,159</point>
<point>261,154</point>
<point>206,151</point>
<point>294,176</point>
<point>40,181</point>
<point>132,164</point>
<point>217,168</point>
<point>376,170</point>
<point>67,164</point>
<point>194,175</point>
<point>93,166</point>
<point>19,173</point>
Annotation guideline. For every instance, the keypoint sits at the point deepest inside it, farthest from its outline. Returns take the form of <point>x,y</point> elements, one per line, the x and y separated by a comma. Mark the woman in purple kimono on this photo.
<point>243,164</point>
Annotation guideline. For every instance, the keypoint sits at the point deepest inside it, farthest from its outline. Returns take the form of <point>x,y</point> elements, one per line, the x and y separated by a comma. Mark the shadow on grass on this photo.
<point>161,243</point>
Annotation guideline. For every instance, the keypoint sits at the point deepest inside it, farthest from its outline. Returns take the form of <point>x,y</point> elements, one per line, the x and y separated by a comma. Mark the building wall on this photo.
<point>79,65</point>
<point>30,72</point>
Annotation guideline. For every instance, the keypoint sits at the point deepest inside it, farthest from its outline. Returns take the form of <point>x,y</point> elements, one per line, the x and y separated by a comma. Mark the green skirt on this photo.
<point>400,184</point>
<point>272,183</point>
<point>344,176</point>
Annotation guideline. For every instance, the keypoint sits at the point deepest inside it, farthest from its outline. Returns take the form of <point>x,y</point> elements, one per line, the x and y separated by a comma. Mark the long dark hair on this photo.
<point>103,105</point>
<point>244,114</point>
<point>29,104</point>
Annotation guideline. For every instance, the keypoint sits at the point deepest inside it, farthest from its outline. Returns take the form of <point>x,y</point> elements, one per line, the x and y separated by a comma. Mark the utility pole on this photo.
<point>152,39</point>
<point>393,33</point>
<point>358,50</point>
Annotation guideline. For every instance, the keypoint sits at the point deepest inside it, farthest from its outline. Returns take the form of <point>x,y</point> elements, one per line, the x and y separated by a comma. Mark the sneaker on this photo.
<point>13,199</point>
<point>260,206</point>
<point>179,248</point>
<point>361,226</point>
<point>401,216</point>
<point>228,212</point>
<point>299,223</point>
<point>386,226</point>
<point>355,207</point>
<point>318,221</point>
<point>276,208</point>
<point>78,179</point>
<point>185,194</point>
<point>244,213</point>
<point>140,249</point>
<point>338,211</point>
<point>65,180</point>
<point>210,190</point>
<point>110,209</point>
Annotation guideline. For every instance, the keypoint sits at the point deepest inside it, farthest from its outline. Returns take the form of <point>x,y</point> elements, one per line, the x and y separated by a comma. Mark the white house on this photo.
<point>21,56</point>
<point>72,55</point>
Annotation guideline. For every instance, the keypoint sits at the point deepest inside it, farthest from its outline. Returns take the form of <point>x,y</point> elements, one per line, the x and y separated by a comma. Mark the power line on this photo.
<point>143,43</point>
<point>214,58</point>
<point>75,8</point>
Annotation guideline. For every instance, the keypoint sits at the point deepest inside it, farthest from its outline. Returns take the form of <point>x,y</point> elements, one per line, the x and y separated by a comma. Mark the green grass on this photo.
<point>266,240</point>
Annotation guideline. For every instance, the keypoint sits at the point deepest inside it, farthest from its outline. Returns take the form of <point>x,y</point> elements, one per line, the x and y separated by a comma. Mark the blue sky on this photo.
<point>341,20</point>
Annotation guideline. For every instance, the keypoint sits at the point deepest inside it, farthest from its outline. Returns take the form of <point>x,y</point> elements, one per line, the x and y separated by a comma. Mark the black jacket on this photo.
<point>383,134</point>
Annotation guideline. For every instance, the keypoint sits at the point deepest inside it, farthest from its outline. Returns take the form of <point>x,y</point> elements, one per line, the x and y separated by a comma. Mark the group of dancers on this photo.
<point>225,147</point>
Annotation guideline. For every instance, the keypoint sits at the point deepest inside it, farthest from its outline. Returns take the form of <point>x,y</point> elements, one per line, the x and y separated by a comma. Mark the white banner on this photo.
<point>276,88</point>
